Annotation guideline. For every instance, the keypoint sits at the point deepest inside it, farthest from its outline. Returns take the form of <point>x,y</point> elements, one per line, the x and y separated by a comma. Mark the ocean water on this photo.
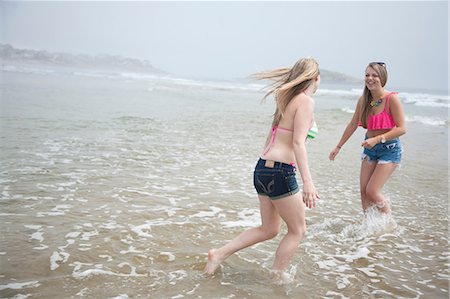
<point>116,186</point>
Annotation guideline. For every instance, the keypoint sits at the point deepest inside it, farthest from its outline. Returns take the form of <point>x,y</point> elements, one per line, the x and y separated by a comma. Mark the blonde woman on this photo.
<point>275,172</point>
<point>381,113</point>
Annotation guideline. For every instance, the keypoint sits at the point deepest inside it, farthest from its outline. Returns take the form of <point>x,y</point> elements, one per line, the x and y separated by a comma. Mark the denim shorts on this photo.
<point>274,179</point>
<point>389,152</point>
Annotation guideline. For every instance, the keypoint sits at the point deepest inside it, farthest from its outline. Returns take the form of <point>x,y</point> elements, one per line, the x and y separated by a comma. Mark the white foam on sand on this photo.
<point>170,256</point>
<point>336,295</point>
<point>131,249</point>
<point>247,218</point>
<point>38,235</point>
<point>57,258</point>
<point>20,285</point>
<point>143,229</point>
<point>177,275</point>
<point>212,213</point>
<point>343,281</point>
<point>368,271</point>
<point>77,273</point>
<point>59,210</point>
<point>72,234</point>
<point>362,252</point>
<point>80,273</point>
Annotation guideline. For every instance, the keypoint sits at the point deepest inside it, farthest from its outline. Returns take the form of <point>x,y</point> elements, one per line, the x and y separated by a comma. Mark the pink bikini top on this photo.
<point>383,120</point>
<point>312,133</point>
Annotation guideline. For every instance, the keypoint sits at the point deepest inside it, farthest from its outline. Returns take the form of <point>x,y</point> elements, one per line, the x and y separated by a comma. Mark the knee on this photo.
<point>271,232</point>
<point>299,232</point>
<point>371,192</point>
<point>302,231</point>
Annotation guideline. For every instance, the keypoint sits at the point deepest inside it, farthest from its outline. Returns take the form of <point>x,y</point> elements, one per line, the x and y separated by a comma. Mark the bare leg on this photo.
<point>292,211</point>
<point>367,169</point>
<point>379,177</point>
<point>269,229</point>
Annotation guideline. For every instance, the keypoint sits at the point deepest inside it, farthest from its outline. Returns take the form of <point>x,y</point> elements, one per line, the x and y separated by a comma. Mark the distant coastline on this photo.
<point>29,57</point>
<point>15,56</point>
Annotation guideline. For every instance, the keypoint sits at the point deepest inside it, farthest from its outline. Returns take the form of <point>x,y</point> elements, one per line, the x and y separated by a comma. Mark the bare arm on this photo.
<point>349,130</point>
<point>302,121</point>
<point>399,118</point>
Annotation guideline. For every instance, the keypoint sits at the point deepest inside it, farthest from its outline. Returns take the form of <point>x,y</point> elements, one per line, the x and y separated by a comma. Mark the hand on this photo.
<point>370,142</point>
<point>334,153</point>
<point>310,195</point>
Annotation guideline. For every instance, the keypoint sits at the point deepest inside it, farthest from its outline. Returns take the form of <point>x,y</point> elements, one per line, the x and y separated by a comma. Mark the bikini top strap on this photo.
<point>272,139</point>
<point>387,106</point>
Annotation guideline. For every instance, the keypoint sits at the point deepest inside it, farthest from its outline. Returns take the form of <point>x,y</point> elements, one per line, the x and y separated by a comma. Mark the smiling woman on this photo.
<point>381,113</point>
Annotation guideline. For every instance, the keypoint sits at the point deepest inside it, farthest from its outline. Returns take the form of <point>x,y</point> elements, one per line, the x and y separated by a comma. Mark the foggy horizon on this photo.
<point>221,40</point>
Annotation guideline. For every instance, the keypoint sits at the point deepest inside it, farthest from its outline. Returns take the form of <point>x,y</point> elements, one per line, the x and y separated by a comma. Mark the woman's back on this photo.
<point>279,145</point>
<point>274,177</point>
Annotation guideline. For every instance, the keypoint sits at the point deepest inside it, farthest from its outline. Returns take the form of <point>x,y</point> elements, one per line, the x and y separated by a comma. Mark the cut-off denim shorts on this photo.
<point>274,179</point>
<point>383,153</point>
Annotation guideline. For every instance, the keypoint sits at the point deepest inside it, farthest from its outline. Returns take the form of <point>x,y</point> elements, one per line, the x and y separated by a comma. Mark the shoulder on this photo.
<point>394,98</point>
<point>393,95</point>
<point>304,100</point>
<point>302,104</point>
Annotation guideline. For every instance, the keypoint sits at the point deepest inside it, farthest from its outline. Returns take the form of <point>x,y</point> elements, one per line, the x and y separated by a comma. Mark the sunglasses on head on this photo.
<point>383,64</point>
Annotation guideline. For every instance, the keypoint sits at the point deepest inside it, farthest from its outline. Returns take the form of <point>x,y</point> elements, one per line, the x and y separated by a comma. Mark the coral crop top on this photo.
<point>383,120</point>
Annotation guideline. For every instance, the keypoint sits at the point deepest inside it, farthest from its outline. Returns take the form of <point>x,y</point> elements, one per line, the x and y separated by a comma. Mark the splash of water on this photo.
<point>373,223</point>
<point>278,277</point>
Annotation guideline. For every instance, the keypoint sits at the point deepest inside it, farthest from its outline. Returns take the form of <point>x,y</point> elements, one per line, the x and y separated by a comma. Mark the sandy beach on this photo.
<point>116,187</point>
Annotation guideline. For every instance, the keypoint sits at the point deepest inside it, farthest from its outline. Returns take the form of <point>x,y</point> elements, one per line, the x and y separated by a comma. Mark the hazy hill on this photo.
<point>337,78</point>
<point>15,56</point>
<point>9,54</point>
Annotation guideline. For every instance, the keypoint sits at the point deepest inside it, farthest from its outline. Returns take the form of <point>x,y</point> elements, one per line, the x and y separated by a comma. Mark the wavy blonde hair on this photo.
<point>367,96</point>
<point>289,82</point>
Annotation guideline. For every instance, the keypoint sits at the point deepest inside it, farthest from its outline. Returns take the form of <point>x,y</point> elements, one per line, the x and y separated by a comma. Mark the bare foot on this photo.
<point>384,206</point>
<point>279,277</point>
<point>213,262</point>
<point>386,209</point>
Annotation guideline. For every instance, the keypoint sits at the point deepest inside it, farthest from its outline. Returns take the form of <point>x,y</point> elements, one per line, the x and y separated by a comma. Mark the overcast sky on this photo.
<point>235,39</point>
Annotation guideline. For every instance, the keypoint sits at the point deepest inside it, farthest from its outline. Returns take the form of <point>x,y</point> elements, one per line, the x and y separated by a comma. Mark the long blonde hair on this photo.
<point>381,71</point>
<point>289,82</point>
